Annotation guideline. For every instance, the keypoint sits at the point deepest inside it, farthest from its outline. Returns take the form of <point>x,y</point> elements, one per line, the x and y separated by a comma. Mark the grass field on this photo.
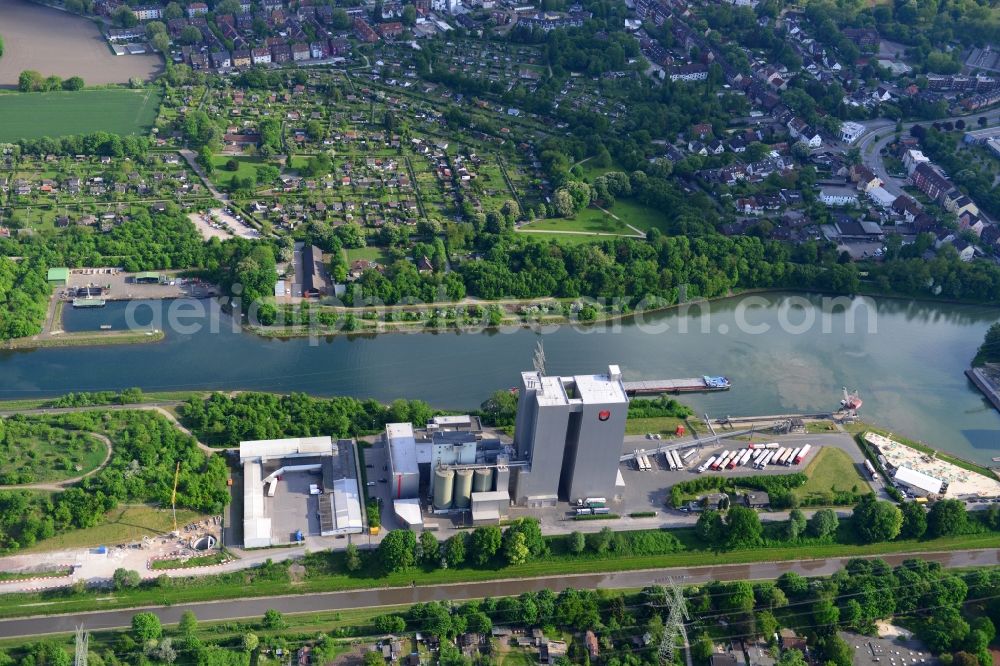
<point>122,525</point>
<point>222,176</point>
<point>664,425</point>
<point>831,469</point>
<point>563,239</point>
<point>518,657</point>
<point>117,110</point>
<point>367,253</point>
<point>588,220</point>
<point>40,453</point>
<point>639,216</point>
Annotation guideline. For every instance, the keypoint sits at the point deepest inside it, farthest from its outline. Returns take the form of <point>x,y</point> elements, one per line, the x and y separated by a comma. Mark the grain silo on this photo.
<point>444,480</point>
<point>483,480</point>
<point>463,489</point>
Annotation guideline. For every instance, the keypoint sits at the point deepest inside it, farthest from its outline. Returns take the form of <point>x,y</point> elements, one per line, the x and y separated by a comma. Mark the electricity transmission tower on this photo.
<point>82,639</point>
<point>538,359</point>
<point>674,626</point>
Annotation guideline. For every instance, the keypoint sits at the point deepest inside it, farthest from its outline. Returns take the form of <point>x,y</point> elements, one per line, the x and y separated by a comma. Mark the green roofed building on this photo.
<point>59,276</point>
<point>147,278</point>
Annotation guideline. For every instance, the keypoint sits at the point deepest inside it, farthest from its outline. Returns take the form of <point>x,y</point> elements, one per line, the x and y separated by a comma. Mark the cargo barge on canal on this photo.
<point>704,384</point>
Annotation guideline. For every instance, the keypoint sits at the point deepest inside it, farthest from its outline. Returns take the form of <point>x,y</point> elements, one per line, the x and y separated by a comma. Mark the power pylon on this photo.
<point>538,359</point>
<point>674,626</point>
<point>82,641</point>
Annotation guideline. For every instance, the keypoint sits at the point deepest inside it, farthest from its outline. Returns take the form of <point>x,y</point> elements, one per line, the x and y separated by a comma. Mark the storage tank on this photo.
<point>444,480</point>
<point>463,488</point>
<point>482,480</point>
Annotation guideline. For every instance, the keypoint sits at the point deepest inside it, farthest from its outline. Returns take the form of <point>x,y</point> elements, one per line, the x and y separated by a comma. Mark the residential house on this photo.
<point>301,51</point>
<point>958,203</point>
<point>865,178</point>
<point>691,72</point>
<point>881,197</point>
<point>363,31</point>
<point>931,181</point>
<point>148,12</point>
<point>197,9</point>
<point>913,157</point>
<point>838,196</point>
<point>242,58</point>
<point>593,649</point>
<point>261,55</point>
<point>906,206</point>
<point>390,30</point>
<point>851,131</point>
<point>281,53</point>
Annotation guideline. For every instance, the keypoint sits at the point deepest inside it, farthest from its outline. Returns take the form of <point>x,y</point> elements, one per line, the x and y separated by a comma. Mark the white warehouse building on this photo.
<point>918,483</point>
<point>267,463</point>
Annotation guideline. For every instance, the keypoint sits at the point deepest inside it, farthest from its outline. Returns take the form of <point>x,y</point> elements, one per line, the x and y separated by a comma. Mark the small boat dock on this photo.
<point>89,302</point>
<point>703,384</point>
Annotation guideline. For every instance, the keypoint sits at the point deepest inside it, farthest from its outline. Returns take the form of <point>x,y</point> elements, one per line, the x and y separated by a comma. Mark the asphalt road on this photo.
<point>871,145</point>
<point>332,601</point>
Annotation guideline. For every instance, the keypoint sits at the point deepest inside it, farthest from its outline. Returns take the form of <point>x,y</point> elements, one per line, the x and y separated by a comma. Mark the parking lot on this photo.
<point>120,285</point>
<point>897,650</point>
<point>292,508</point>
<point>649,490</point>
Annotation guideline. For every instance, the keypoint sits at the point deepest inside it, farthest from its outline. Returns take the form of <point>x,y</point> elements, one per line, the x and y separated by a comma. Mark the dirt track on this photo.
<point>54,42</point>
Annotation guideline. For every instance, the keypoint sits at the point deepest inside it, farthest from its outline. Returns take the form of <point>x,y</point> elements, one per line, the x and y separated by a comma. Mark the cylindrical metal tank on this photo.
<point>463,488</point>
<point>444,480</point>
<point>482,481</point>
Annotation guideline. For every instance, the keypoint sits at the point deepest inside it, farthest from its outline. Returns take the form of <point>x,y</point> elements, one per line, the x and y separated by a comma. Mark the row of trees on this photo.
<point>32,81</point>
<point>225,420</point>
<point>519,542</point>
<point>95,143</point>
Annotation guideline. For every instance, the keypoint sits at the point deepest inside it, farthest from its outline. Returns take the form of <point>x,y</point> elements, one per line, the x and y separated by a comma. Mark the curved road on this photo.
<point>327,601</point>
<point>881,133</point>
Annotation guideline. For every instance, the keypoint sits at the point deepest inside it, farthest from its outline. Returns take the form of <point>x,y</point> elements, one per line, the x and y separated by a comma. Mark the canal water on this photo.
<point>784,353</point>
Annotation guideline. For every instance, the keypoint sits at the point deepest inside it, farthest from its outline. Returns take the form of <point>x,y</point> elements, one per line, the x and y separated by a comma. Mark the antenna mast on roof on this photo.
<point>538,359</point>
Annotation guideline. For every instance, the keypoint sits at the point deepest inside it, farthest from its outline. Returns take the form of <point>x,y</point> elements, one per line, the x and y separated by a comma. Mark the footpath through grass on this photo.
<point>274,580</point>
<point>55,114</point>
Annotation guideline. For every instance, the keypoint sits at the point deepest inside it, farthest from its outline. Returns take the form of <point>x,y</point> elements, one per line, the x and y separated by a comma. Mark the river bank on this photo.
<point>84,339</point>
<point>782,351</point>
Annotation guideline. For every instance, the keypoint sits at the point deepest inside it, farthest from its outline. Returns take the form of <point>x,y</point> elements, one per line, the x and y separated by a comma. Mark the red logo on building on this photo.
<point>603,415</point>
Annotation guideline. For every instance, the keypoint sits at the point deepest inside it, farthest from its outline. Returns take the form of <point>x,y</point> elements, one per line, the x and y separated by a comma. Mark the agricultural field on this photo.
<point>54,114</point>
<point>40,453</point>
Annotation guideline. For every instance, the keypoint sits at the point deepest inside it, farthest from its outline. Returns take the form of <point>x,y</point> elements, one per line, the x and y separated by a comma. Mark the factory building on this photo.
<point>569,431</point>
<point>451,464</point>
<point>567,443</point>
<point>298,487</point>
<point>405,475</point>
